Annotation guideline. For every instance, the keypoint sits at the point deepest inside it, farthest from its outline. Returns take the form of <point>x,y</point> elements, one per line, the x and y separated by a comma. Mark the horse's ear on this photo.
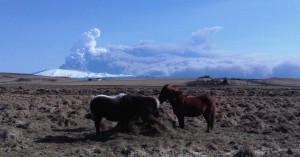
<point>171,87</point>
<point>168,86</point>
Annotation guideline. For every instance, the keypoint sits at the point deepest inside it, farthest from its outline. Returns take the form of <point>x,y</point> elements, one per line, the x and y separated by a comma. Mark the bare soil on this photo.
<point>43,116</point>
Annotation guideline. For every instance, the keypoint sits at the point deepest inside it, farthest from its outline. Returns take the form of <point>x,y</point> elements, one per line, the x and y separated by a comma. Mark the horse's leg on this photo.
<point>208,120</point>
<point>97,121</point>
<point>181,121</point>
<point>212,118</point>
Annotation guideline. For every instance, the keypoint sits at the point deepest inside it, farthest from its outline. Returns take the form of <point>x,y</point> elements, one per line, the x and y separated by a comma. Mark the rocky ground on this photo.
<point>53,119</point>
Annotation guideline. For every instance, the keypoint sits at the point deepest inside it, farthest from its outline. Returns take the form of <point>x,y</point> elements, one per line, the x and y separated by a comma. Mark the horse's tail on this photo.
<point>210,110</point>
<point>213,116</point>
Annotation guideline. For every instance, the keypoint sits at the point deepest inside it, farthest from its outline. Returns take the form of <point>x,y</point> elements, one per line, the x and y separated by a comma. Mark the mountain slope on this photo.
<point>76,74</point>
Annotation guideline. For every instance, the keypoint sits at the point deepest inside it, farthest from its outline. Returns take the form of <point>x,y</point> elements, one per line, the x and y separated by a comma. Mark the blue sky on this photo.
<point>37,35</point>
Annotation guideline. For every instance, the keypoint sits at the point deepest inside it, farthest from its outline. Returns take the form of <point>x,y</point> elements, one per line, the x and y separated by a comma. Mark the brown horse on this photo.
<point>122,107</point>
<point>187,106</point>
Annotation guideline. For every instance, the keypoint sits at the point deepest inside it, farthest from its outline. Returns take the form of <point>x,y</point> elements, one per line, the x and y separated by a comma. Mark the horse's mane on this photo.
<point>174,89</point>
<point>157,102</point>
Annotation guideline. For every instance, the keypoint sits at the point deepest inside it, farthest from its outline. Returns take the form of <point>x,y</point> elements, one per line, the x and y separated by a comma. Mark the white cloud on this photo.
<point>204,36</point>
<point>87,43</point>
<point>188,59</point>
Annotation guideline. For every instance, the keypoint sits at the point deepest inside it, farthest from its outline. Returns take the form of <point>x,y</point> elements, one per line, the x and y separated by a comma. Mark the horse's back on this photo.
<point>114,97</point>
<point>105,103</point>
<point>196,105</point>
<point>112,109</point>
<point>99,101</point>
<point>207,100</point>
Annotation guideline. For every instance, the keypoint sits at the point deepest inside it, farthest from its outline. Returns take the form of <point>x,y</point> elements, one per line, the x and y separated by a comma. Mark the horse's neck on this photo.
<point>177,97</point>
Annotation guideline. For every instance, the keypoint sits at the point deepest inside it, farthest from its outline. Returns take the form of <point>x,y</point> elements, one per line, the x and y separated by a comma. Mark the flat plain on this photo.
<point>43,116</point>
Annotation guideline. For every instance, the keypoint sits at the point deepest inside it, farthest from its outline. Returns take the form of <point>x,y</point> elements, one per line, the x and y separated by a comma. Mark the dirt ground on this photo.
<point>43,116</point>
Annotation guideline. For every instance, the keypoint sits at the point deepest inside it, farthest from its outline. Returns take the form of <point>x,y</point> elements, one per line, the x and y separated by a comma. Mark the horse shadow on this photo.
<point>86,135</point>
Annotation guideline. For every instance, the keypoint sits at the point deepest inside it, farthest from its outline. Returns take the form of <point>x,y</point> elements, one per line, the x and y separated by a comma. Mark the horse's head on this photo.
<point>142,105</point>
<point>166,93</point>
<point>152,107</point>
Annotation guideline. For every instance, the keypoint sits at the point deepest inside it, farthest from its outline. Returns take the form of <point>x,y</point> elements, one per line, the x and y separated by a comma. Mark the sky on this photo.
<point>168,38</point>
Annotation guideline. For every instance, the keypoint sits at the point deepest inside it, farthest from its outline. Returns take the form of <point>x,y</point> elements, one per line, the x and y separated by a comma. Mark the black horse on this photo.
<point>121,108</point>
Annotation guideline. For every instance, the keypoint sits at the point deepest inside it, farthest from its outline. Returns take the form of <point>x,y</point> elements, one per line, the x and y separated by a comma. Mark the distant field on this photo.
<point>33,79</point>
<point>10,78</point>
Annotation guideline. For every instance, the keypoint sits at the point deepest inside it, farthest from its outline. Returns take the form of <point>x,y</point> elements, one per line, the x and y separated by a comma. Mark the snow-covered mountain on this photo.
<point>77,74</point>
